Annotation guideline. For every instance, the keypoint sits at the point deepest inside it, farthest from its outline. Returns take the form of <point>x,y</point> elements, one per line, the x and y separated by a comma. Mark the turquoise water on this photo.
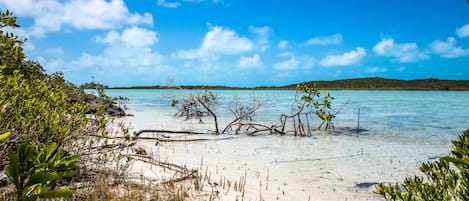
<point>403,129</point>
<point>433,115</point>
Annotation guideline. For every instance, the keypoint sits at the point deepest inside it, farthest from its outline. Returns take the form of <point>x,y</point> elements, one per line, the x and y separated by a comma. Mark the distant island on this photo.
<point>372,83</point>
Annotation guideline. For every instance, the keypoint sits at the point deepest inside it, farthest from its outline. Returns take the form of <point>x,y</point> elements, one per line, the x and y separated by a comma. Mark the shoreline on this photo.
<point>323,167</point>
<point>283,89</point>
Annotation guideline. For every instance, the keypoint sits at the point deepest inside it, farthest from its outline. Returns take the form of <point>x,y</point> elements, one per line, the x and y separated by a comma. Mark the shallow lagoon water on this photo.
<point>404,129</point>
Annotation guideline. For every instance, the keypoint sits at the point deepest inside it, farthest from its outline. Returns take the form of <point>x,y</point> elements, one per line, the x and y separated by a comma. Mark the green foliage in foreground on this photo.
<point>35,170</point>
<point>34,106</point>
<point>446,179</point>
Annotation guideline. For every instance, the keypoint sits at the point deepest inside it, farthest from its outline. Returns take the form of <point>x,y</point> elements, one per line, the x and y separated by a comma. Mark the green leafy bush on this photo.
<point>34,106</point>
<point>35,170</point>
<point>312,99</point>
<point>446,178</point>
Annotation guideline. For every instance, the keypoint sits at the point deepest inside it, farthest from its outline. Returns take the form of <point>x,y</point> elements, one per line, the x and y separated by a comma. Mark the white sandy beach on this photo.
<point>322,167</point>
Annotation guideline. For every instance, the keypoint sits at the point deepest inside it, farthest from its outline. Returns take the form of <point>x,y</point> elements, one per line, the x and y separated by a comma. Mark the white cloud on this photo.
<point>190,54</point>
<point>335,39</point>
<point>406,52</point>
<point>136,19</point>
<point>29,46</point>
<point>345,59</point>
<point>131,37</point>
<point>225,41</point>
<point>177,4</point>
<point>308,62</point>
<point>376,70</point>
<point>448,48</point>
<point>111,37</point>
<point>163,3</point>
<point>114,57</point>
<point>55,15</point>
<point>217,41</point>
<point>116,66</point>
<point>290,64</point>
<point>56,52</point>
<point>463,31</point>
<point>193,1</point>
<point>283,44</point>
<point>262,36</point>
<point>138,37</point>
<point>284,54</point>
<point>246,62</point>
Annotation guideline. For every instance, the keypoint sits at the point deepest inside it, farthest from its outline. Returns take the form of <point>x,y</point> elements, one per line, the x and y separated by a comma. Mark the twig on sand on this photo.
<point>150,160</point>
<point>164,139</point>
<point>169,131</point>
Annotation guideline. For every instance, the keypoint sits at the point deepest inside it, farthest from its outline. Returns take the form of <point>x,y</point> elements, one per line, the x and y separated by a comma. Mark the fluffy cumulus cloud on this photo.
<point>127,55</point>
<point>247,62</point>
<point>346,59</point>
<point>113,66</point>
<point>177,4</point>
<point>335,39</point>
<point>218,40</point>
<point>463,31</point>
<point>291,64</point>
<point>118,65</point>
<point>131,48</point>
<point>284,54</point>
<point>131,37</point>
<point>166,4</point>
<point>55,15</point>
<point>54,52</point>
<point>283,44</point>
<point>448,48</point>
<point>404,53</point>
<point>114,57</point>
<point>262,34</point>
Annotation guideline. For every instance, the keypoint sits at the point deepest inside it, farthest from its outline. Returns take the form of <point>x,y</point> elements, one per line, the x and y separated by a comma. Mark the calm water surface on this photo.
<point>428,114</point>
<point>404,129</point>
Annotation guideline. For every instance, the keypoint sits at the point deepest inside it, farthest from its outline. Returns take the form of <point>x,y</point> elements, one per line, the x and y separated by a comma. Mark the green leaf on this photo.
<point>69,173</point>
<point>50,151</point>
<point>56,193</point>
<point>458,162</point>
<point>12,169</point>
<point>42,178</point>
<point>174,103</point>
<point>5,136</point>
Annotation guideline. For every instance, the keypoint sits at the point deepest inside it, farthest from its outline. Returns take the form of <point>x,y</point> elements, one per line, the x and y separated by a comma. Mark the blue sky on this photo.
<point>244,43</point>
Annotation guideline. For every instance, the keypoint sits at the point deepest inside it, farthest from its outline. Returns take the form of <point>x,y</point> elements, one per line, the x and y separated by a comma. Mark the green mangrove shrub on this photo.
<point>34,106</point>
<point>446,178</point>
<point>35,171</point>
<point>321,104</point>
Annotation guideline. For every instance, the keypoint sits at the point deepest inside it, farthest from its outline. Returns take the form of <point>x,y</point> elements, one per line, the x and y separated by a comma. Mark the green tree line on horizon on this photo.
<point>371,83</point>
